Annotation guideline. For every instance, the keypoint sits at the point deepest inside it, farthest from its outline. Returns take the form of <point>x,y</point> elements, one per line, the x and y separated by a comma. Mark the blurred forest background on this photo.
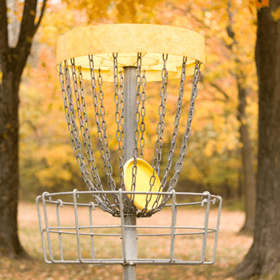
<point>223,146</point>
<point>214,157</point>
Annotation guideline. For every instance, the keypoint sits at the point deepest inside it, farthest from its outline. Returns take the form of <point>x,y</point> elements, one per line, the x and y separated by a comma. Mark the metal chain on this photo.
<point>162,113</point>
<point>101,125</point>
<point>121,103</point>
<point>126,201</point>
<point>87,144</point>
<point>143,114</point>
<point>183,149</point>
<point>184,146</point>
<point>119,117</point>
<point>160,129</point>
<point>105,153</point>
<point>70,118</point>
<point>82,114</point>
<point>102,200</point>
<point>122,109</point>
<point>101,131</point>
<point>137,119</point>
<point>95,103</point>
<point>175,131</point>
<point>72,127</point>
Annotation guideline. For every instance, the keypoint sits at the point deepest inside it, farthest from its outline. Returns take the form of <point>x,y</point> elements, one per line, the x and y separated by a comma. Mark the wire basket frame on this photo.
<point>79,233</point>
<point>73,92</point>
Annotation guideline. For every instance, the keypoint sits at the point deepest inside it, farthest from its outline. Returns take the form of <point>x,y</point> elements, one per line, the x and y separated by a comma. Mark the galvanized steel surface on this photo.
<point>55,236</point>
<point>128,69</point>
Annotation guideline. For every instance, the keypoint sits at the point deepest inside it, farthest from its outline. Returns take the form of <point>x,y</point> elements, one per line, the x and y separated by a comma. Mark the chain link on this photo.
<point>175,130</point>
<point>107,165</point>
<point>183,150</point>
<point>162,113</point>
<point>119,117</point>
<point>137,119</point>
<point>143,114</point>
<point>70,118</point>
<point>101,128</point>
<point>184,146</point>
<point>101,124</point>
<point>121,103</point>
<point>160,129</point>
<point>122,107</point>
<point>127,204</point>
<point>73,129</point>
<point>82,114</point>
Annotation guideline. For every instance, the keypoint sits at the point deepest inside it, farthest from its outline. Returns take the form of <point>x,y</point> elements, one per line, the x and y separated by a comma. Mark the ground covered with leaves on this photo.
<point>231,249</point>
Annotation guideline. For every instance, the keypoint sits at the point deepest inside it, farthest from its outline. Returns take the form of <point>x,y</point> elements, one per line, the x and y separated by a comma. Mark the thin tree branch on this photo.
<point>41,15</point>
<point>217,87</point>
<point>229,29</point>
<point>220,90</point>
<point>27,27</point>
<point>27,31</point>
<point>3,27</point>
<point>215,98</point>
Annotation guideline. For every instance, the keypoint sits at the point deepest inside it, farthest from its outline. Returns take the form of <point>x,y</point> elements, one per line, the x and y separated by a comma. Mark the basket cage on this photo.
<point>73,93</point>
<point>75,230</point>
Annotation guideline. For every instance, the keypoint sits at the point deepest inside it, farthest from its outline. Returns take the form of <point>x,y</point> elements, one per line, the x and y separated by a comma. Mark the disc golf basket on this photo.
<point>129,55</point>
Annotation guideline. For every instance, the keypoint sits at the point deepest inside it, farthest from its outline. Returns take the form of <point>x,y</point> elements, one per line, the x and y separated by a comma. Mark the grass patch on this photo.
<point>233,205</point>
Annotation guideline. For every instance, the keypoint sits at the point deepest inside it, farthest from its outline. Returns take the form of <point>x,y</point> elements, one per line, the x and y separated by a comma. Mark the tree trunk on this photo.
<point>9,171</point>
<point>264,255</point>
<point>12,63</point>
<point>247,162</point>
<point>246,150</point>
<point>240,187</point>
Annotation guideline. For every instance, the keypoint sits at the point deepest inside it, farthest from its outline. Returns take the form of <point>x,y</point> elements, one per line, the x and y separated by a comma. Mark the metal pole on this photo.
<point>129,103</point>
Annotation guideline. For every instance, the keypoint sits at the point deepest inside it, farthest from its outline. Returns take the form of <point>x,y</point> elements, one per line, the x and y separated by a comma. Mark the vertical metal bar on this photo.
<point>47,225</point>
<point>59,229</point>
<point>41,228</point>
<point>77,224</point>
<point>130,108</point>
<point>173,225</point>
<point>204,241</point>
<point>122,226</point>
<point>217,231</point>
<point>91,207</point>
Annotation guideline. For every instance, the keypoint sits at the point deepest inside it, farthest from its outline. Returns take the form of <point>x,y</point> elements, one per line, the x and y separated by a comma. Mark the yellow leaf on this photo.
<point>276,14</point>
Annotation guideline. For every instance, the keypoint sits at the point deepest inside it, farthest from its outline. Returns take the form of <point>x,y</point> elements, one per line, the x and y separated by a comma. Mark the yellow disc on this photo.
<point>127,40</point>
<point>144,173</point>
